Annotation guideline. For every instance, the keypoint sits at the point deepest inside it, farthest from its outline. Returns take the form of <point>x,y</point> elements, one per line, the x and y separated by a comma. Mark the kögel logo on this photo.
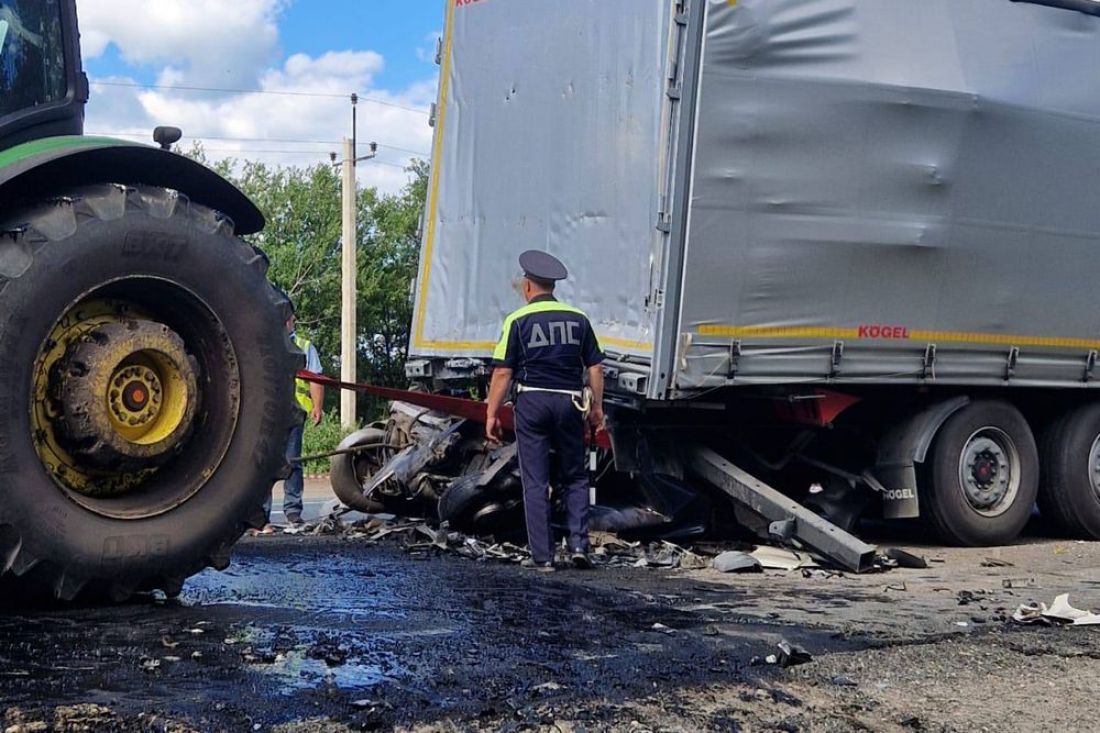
<point>464,3</point>
<point>883,332</point>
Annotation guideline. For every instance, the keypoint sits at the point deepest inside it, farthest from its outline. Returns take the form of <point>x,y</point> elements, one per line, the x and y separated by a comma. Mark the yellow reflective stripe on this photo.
<point>490,346</point>
<point>500,353</point>
<point>624,343</point>
<point>812,332</point>
<point>302,394</point>
<point>436,176</point>
<point>781,332</point>
<point>1005,340</point>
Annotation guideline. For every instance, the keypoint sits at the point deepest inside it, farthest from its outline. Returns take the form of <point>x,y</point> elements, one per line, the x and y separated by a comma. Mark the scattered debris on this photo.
<point>419,537</point>
<point>1031,613</point>
<point>843,681</point>
<point>691,561</point>
<point>994,562</point>
<point>1019,583</point>
<point>662,628</point>
<point>822,573</point>
<point>778,558</point>
<point>736,562</point>
<point>790,655</point>
<point>1060,612</point>
<point>907,560</point>
<point>971,597</point>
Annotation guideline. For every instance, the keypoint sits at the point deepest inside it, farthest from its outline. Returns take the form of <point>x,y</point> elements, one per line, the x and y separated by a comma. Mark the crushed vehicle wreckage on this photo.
<point>425,462</point>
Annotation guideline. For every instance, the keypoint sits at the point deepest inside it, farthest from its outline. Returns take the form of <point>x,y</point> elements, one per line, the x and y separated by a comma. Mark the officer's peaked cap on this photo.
<point>543,266</point>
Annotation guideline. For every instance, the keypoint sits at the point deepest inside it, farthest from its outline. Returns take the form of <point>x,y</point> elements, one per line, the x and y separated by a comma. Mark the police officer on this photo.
<point>546,347</point>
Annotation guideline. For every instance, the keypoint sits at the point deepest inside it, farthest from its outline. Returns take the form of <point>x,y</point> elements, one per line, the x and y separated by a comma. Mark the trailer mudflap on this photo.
<point>814,531</point>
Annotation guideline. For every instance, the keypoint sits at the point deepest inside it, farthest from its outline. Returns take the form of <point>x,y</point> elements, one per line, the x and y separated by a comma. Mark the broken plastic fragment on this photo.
<point>1031,614</point>
<point>776,558</point>
<point>736,562</point>
<point>906,559</point>
<point>1060,610</point>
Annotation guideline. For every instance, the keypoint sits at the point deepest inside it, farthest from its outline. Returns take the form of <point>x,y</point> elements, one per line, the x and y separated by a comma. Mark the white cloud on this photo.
<point>202,42</point>
<point>222,44</point>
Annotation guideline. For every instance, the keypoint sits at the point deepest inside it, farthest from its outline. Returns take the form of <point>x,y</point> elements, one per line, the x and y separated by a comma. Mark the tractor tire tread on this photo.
<point>45,221</point>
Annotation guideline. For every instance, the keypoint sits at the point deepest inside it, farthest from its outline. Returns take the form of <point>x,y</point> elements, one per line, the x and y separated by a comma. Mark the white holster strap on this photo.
<point>582,400</point>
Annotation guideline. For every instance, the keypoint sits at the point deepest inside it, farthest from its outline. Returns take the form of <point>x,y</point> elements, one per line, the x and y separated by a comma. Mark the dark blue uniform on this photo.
<point>548,345</point>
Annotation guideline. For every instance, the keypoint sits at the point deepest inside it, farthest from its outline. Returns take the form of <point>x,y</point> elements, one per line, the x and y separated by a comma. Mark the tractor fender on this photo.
<point>904,446</point>
<point>54,165</point>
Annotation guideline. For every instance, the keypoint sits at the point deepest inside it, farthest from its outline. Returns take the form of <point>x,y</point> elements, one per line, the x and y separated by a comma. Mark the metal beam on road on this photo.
<point>809,528</point>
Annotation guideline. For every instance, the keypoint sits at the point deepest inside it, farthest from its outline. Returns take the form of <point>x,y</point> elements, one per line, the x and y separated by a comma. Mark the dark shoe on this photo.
<point>294,520</point>
<point>542,567</point>
<point>581,561</point>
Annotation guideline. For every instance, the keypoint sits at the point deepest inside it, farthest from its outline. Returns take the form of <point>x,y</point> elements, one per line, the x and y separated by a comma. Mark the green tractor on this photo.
<point>147,381</point>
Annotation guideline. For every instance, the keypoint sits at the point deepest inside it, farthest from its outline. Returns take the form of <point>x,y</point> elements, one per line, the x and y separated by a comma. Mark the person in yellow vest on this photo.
<point>311,398</point>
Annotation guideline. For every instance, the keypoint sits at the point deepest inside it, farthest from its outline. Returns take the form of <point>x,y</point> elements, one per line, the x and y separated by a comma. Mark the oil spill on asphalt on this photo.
<point>317,627</point>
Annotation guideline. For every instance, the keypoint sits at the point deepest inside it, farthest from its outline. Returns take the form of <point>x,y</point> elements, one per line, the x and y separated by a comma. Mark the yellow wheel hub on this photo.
<point>115,397</point>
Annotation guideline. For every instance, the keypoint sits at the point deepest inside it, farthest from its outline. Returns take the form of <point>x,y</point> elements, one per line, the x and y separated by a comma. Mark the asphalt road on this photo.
<point>314,496</point>
<point>332,634</point>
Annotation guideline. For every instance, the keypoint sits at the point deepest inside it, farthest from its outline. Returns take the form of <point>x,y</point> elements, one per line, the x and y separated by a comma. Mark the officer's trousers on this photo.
<point>545,421</point>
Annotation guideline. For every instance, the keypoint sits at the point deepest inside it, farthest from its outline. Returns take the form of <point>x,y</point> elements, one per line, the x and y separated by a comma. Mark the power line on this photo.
<point>263,140</point>
<point>311,153</point>
<point>228,90</point>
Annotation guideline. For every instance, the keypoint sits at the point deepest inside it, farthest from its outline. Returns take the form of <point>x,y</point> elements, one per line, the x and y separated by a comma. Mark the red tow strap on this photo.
<point>473,410</point>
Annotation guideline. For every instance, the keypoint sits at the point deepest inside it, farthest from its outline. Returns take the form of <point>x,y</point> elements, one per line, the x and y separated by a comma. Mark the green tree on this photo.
<point>388,251</point>
<point>302,240</point>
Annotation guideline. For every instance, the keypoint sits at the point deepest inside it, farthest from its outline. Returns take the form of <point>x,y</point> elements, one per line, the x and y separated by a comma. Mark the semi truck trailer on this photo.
<point>848,245</point>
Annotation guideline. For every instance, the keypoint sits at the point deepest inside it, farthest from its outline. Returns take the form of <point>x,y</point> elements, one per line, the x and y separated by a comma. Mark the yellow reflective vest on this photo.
<point>301,386</point>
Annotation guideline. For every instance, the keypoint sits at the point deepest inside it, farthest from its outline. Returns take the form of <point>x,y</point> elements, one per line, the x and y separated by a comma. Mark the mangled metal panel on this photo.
<point>548,133</point>
<point>889,191</point>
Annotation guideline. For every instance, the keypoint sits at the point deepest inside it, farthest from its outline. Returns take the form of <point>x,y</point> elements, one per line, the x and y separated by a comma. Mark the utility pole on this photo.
<point>349,331</point>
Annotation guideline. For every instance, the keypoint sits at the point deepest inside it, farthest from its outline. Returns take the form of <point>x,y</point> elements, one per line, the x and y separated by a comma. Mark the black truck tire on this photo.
<point>153,251</point>
<point>1068,493</point>
<point>982,475</point>
<point>344,470</point>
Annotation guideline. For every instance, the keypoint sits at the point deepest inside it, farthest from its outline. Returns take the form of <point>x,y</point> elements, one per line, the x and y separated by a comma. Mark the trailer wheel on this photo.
<point>348,472</point>
<point>982,476</point>
<point>147,393</point>
<point>1069,495</point>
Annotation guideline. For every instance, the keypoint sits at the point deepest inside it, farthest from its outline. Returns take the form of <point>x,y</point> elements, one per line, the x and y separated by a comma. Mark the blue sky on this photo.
<point>397,29</point>
<point>136,51</point>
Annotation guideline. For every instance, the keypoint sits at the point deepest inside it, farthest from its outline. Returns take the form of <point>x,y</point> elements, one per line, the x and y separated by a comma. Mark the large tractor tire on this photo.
<point>982,476</point>
<point>1069,494</point>
<point>146,392</point>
